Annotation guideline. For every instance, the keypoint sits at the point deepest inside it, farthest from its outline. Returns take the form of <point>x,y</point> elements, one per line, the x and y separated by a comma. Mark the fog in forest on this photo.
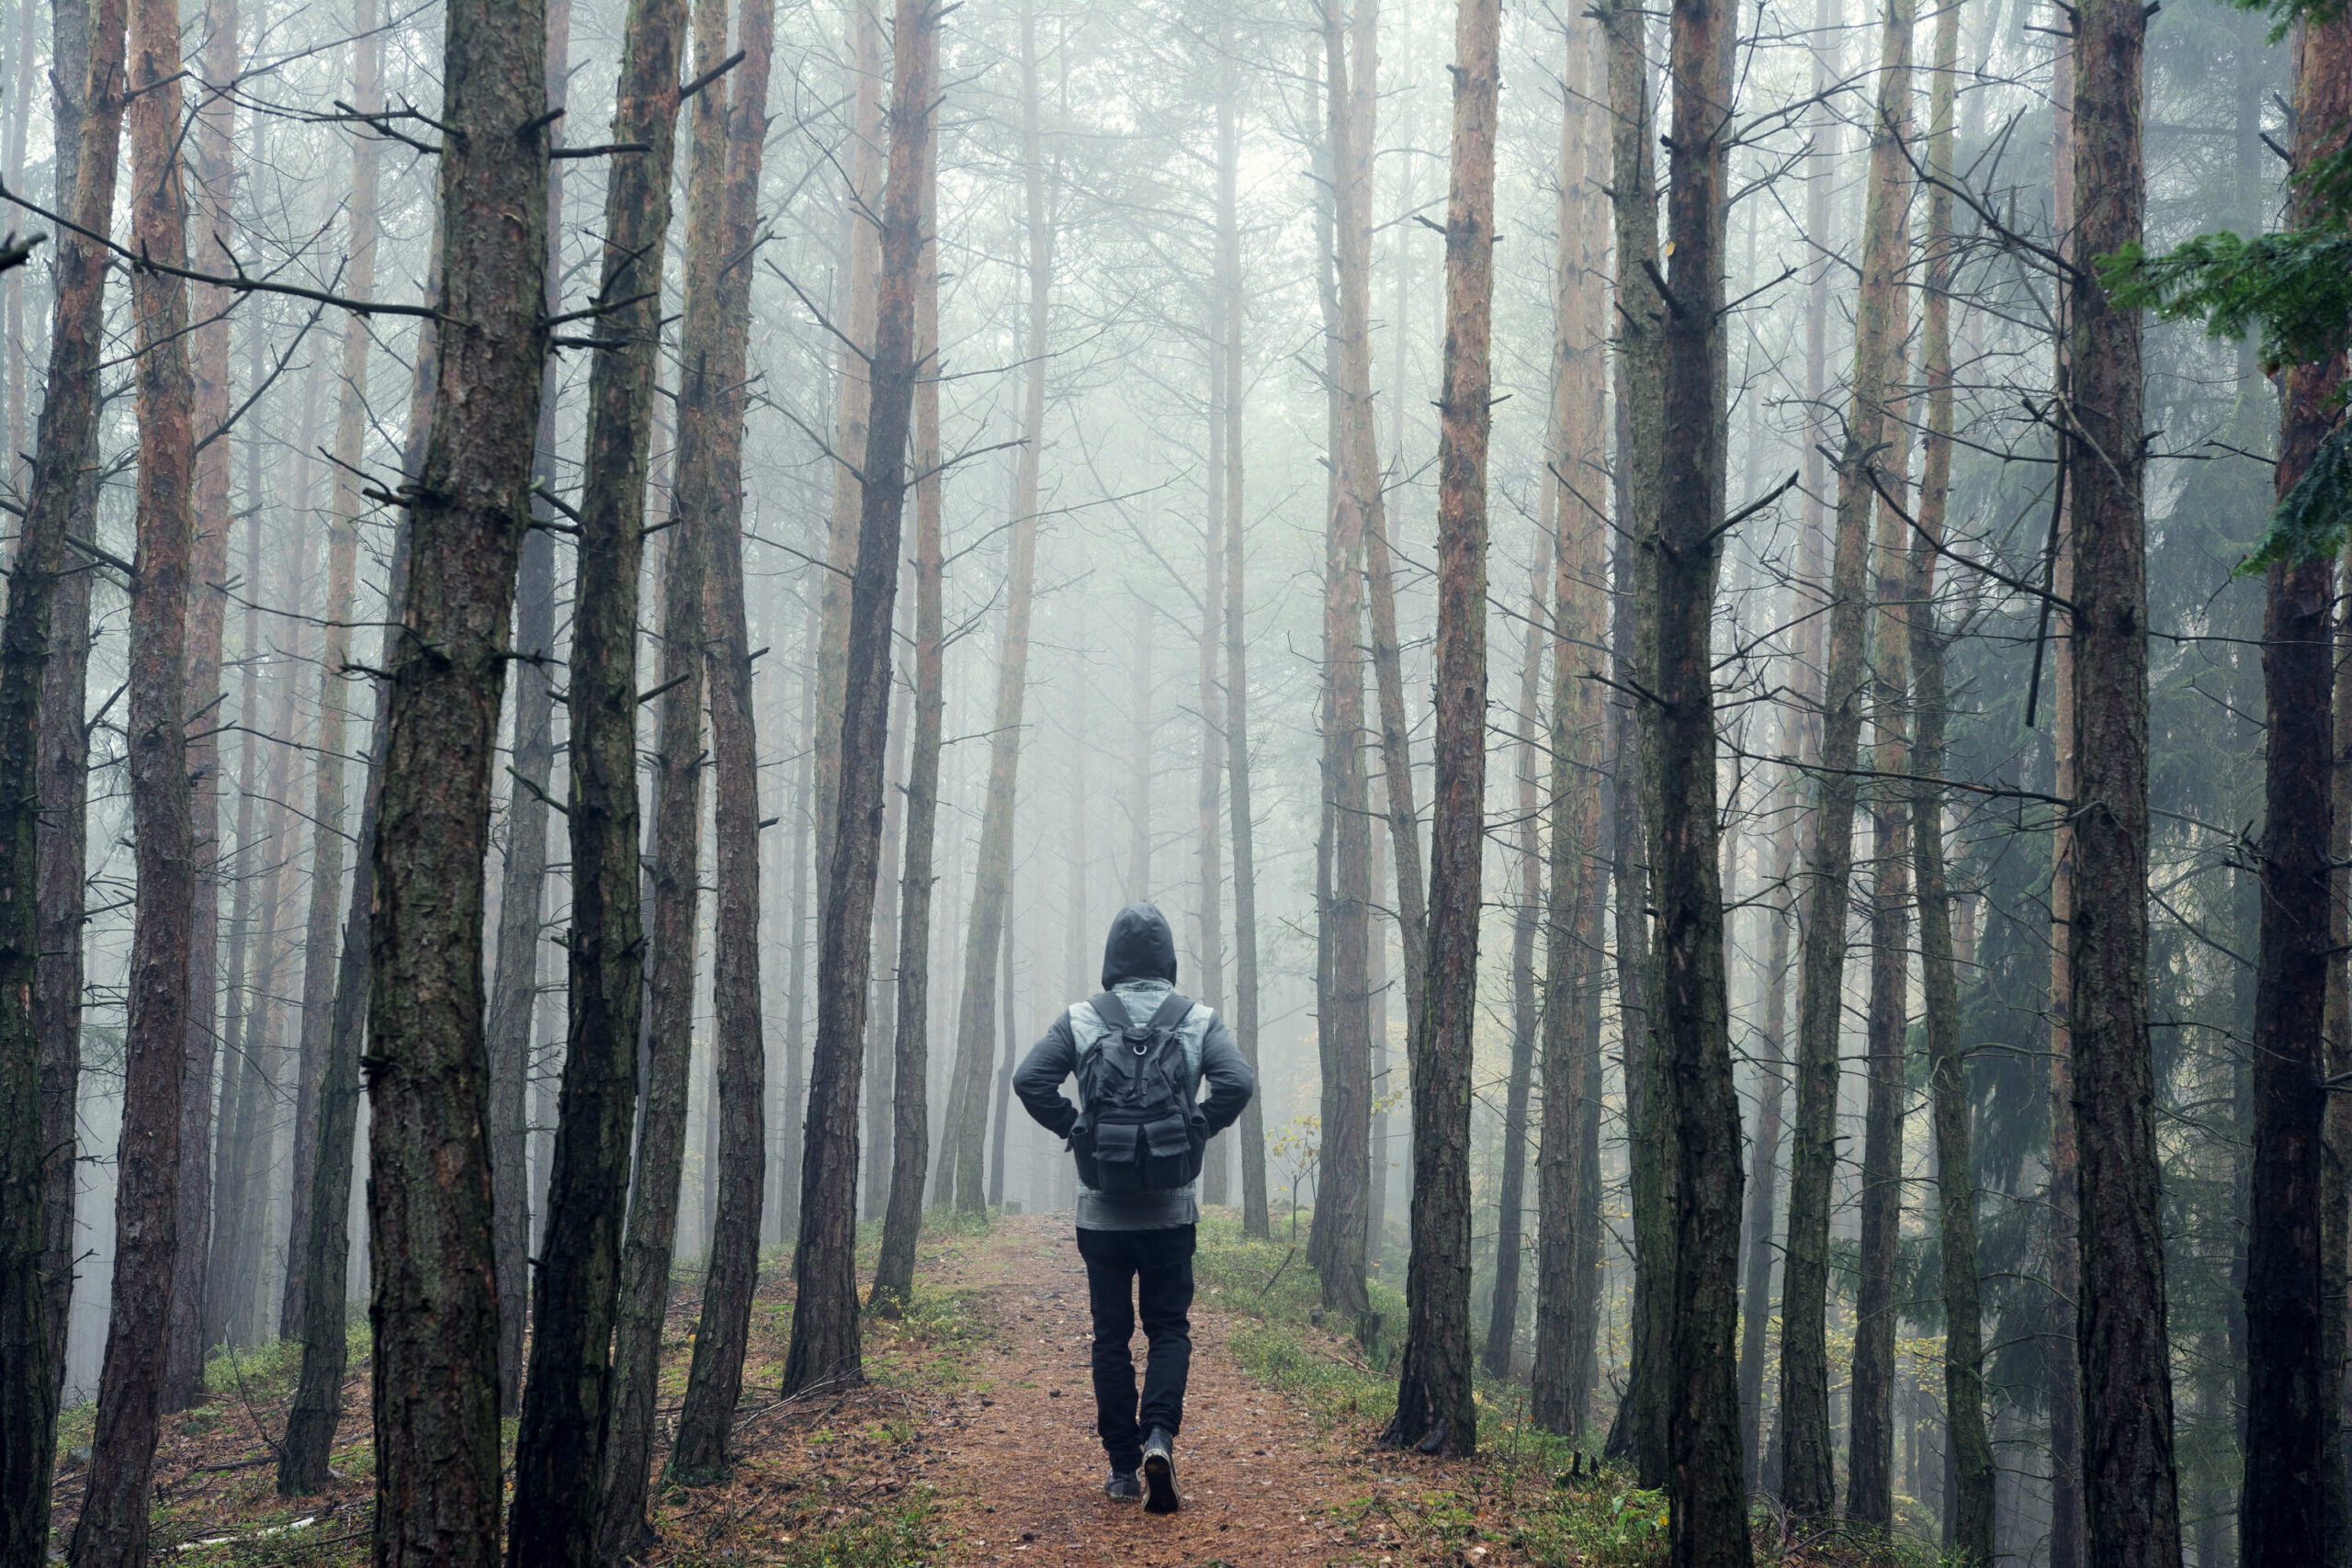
<point>1721,653</point>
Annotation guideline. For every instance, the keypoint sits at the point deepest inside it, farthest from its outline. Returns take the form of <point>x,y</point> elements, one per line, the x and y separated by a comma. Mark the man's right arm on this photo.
<point>1038,1080</point>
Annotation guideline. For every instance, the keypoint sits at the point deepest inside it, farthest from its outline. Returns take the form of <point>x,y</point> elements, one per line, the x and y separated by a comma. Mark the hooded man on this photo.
<point>1140,1053</point>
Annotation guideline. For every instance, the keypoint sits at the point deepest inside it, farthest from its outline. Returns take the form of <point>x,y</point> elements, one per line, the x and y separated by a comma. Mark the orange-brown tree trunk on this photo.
<point>1435,1410</point>
<point>710,481</point>
<point>113,1526</point>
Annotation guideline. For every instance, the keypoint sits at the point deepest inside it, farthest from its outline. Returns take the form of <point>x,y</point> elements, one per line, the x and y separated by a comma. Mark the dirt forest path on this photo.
<point>971,1441</point>
<point>1021,1478</point>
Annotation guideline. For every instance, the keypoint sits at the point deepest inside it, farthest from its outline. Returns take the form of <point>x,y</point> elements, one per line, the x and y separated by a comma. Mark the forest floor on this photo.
<point>972,1442</point>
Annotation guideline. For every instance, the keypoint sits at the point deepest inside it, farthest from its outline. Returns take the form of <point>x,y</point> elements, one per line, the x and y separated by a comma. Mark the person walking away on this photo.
<point>1140,1052</point>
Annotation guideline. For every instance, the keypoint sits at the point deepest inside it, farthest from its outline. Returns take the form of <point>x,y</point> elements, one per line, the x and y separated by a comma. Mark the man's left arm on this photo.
<point>1230,1081</point>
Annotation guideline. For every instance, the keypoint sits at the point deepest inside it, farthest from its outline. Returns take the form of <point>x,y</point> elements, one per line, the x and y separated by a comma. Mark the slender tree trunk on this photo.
<point>1708,1491</point>
<point>1764,1173</point>
<point>711,470</point>
<point>2067,1525</point>
<point>1806,1484</point>
<point>243,1164</point>
<point>43,666</point>
<point>535,581</point>
<point>1354,108</point>
<point>657,1175</point>
<point>1870,1441</point>
<point>2293,1354</point>
<point>1435,1412</point>
<point>881,1028</point>
<point>1004,1094</point>
<point>522,897</point>
<point>1217,1173</point>
<point>1640,1430</point>
<point>825,1347</point>
<point>1511,1223</point>
<point>1968,1506</point>
<point>207,606</point>
<point>318,1394</point>
<point>237,1191</point>
<point>320,967</point>
<point>1576,479</point>
<point>561,1468</point>
<point>855,309</point>
<point>1230,395</point>
<point>893,1271</point>
<point>435,1305</point>
<point>2129,1489</point>
<point>976,1021</point>
<point>1766,1451</point>
<point>1339,1240</point>
<point>113,1524</point>
<point>793,1093</point>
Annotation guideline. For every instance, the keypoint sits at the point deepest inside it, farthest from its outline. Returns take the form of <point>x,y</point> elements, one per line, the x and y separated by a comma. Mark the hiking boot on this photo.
<point>1160,1474</point>
<point>1123,1487</point>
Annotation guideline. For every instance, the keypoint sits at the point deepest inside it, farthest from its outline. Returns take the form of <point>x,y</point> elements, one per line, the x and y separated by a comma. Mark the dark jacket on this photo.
<point>1138,962</point>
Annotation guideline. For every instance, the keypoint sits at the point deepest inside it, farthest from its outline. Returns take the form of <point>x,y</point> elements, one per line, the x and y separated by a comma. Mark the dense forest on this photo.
<point>1717,626</point>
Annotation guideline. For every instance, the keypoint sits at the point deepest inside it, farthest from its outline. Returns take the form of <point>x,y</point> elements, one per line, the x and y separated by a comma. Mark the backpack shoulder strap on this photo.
<point>1112,1012</point>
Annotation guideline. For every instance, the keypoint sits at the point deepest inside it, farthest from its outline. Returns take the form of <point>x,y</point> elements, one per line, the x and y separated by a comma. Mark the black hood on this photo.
<point>1141,947</point>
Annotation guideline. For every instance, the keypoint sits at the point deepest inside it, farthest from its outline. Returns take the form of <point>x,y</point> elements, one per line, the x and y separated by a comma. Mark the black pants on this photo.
<point>1156,1267</point>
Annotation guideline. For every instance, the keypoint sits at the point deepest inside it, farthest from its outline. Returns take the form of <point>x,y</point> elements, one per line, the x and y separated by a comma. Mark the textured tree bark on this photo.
<point>570,1401</point>
<point>112,1529</point>
<point>854,311</point>
<point>320,961</point>
<point>2129,1488</point>
<point>825,1347</point>
<point>213,165</point>
<point>1869,1450</point>
<point>522,896</point>
<point>1708,1488</point>
<point>1344,1014</point>
<point>1435,1411</point>
<point>657,1175</point>
<point>1639,1431</point>
<point>976,1017</point>
<point>1230,397</point>
<point>1576,480</point>
<point>2067,1526</point>
<point>1969,1504</point>
<point>44,661</point>
<point>434,1304</point>
<point>710,471</point>
<point>894,1270</point>
<point>1806,1484</point>
<point>2294,1325</point>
